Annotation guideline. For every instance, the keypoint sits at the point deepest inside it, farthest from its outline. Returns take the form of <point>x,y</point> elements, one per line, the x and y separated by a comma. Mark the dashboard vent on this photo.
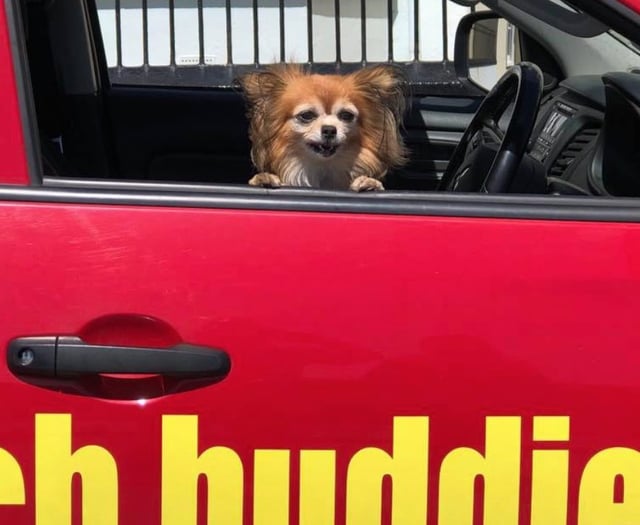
<point>573,150</point>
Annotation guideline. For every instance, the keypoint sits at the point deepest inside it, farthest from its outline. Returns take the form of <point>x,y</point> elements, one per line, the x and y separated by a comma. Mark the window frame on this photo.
<point>23,89</point>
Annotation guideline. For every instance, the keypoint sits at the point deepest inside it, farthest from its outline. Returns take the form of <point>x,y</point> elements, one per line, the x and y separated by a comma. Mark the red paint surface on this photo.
<point>334,324</point>
<point>13,169</point>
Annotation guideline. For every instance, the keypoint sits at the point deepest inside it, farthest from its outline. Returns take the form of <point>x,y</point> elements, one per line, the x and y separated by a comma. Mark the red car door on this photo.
<point>346,360</point>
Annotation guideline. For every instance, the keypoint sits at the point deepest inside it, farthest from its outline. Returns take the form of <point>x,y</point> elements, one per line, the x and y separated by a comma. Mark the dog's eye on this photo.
<point>346,116</point>
<point>306,116</point>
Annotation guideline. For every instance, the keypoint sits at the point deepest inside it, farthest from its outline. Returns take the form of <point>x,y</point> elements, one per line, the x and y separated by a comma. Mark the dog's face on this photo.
<point>323,123</point>
<point>343,121</point>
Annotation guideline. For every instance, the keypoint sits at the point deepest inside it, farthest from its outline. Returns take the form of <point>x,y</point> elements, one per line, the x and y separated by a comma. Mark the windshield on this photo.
<point>558,14</point>
<point>578,43</point>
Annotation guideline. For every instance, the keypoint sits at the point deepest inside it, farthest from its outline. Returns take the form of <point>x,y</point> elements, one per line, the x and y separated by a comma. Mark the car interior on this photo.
<point>564,120</point>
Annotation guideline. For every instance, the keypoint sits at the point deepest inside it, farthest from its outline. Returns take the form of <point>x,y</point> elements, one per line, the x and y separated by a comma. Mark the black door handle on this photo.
<point>65,357</point>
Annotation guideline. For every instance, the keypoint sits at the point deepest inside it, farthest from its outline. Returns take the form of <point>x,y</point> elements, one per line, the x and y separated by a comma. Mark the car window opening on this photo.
<point>147,94</point>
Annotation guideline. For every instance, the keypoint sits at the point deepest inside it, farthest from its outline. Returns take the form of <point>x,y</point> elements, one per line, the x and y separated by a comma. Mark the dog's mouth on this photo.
<point>324,150</point>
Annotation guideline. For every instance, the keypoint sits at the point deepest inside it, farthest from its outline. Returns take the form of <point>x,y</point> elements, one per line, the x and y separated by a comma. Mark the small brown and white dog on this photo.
<point>325,131</point>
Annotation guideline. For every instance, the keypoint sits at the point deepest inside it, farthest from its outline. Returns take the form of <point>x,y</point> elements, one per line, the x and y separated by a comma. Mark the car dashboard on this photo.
<point>584,136</point>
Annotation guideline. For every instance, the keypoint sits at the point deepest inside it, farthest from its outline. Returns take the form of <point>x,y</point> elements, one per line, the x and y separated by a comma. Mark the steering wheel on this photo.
<point>521,86</point>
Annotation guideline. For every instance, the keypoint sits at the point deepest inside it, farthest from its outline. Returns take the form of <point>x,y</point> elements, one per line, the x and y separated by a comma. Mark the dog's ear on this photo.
<point>258,86</point>
<point>387,84</point>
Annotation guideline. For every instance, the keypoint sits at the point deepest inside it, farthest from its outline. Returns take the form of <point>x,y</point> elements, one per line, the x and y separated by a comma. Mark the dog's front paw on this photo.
<point>265,180</point>
<point>364,183</point>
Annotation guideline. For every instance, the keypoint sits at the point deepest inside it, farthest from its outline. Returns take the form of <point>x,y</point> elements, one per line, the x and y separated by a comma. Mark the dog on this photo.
<point>325,131</point>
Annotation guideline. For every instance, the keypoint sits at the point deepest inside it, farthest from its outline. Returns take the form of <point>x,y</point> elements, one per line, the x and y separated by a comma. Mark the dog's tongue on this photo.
<point>326,150</point>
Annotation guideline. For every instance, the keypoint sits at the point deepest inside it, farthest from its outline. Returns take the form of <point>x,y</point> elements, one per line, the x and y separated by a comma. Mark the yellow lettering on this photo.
<point>271,487</point>
<point>317,487</point>
<point>11,480</point>
<point>597,505</point>
<point>55,468</point>
<point>500,468</point>
<point>181,467</point>
<point>408,468</point>
<point>550,473</point>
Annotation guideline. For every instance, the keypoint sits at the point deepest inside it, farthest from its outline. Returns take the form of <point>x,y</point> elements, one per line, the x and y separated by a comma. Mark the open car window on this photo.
<point>149,95</point>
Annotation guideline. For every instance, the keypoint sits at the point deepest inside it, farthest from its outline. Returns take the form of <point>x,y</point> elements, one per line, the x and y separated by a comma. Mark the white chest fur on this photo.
<point>325,174</point>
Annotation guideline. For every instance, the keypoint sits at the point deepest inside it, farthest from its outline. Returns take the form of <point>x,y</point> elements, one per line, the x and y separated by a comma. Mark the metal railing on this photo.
<point>339,35</point>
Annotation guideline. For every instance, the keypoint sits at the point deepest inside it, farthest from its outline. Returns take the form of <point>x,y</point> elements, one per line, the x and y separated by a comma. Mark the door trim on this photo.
<point>172,195</point>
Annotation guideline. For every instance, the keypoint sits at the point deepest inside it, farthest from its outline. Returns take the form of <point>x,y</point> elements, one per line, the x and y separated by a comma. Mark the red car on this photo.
<point>182,348</point>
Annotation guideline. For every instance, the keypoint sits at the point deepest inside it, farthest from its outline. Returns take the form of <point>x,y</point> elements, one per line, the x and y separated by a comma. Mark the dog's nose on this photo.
<point>328,132</point>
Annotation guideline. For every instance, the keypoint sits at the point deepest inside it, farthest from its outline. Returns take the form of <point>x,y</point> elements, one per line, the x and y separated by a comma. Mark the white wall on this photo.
<point>296,45</point>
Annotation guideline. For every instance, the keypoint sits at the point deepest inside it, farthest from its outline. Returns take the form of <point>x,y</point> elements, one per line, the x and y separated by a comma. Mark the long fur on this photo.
<point>373,143</point>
